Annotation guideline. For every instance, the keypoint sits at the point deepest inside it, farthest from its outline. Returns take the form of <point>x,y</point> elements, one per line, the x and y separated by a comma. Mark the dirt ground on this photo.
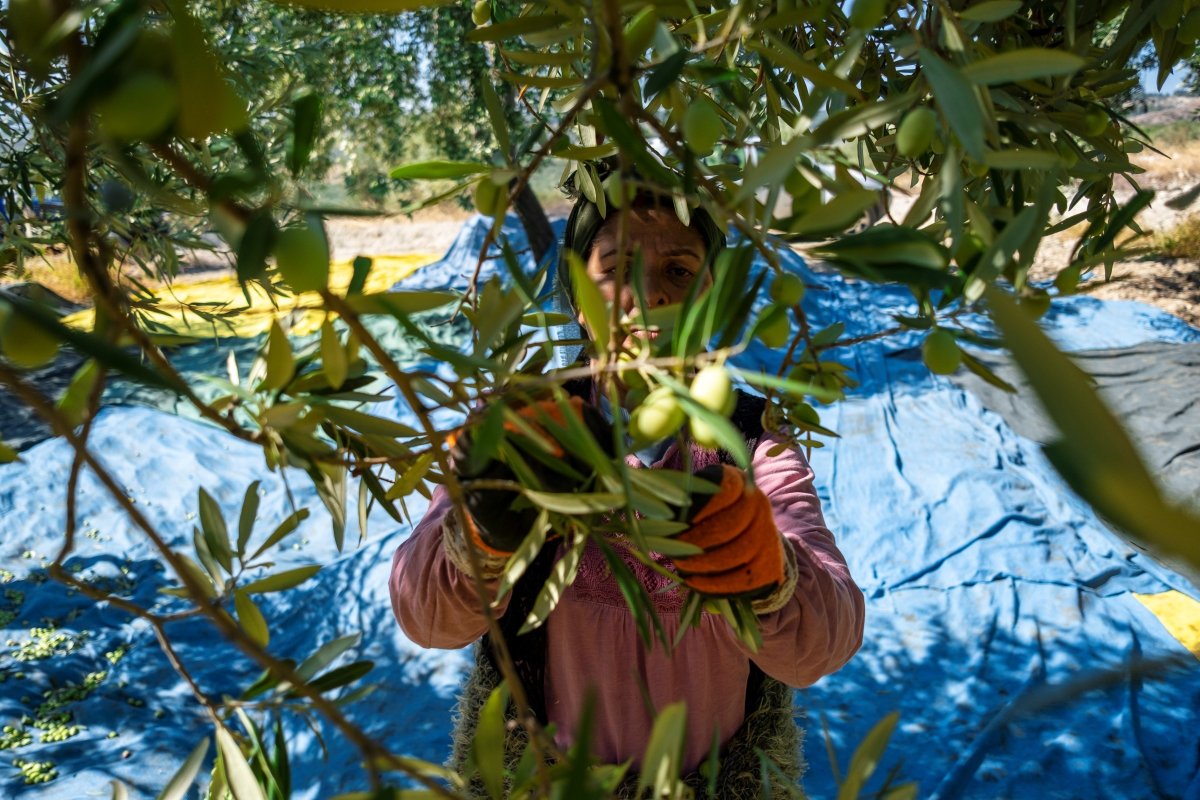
<point>399,235</point>
<point>1172,284</point>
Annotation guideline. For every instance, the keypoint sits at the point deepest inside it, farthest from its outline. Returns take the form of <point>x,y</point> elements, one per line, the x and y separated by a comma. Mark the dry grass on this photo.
<point>1180,164</point>
<point>1181,241</point>
<point>54,271</point>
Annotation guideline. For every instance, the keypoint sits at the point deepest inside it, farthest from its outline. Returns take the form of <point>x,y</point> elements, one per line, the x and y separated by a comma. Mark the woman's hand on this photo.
<point>743,550</point>
<point>495,525</point>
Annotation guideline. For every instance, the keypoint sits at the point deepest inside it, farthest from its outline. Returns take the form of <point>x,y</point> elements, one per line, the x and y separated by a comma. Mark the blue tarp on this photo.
<point>985,579</point>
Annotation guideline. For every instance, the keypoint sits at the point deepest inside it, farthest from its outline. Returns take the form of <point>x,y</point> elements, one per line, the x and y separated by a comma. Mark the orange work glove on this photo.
<point>743,550</point>
<point>495,526</point>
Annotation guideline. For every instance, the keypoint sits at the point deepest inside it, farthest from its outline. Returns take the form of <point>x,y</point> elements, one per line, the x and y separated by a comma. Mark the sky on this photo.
<point>1150,78</point>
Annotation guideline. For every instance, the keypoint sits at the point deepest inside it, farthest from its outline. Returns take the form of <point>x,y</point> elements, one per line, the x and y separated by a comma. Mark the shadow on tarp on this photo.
<point>953,664</point>
<point>979,565</point>
<point>160,460</point>
<point>1153,388</point>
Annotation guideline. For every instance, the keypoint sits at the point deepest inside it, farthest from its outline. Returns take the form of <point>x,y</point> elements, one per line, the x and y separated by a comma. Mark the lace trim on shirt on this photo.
<point>594,583</point>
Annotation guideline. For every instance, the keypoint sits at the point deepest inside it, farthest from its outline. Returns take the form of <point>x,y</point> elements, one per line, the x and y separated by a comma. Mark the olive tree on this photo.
<point>786,120</point>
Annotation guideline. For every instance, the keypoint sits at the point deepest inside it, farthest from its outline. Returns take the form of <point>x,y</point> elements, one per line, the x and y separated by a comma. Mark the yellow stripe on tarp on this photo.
<point>1179,614</point>
<point>224,295</point>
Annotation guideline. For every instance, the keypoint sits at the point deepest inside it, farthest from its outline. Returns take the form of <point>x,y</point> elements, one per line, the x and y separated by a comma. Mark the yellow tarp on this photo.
<point>224,294</point>
<point>1179,614</point>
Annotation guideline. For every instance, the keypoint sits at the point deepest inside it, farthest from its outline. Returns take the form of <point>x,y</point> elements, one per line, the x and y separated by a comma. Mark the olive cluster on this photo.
<point>660,415</point>
<point>36,772</point>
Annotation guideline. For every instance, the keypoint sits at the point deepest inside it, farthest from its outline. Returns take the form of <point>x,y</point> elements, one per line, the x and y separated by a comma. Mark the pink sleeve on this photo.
<point>821,626</point>
<point>434,601</point>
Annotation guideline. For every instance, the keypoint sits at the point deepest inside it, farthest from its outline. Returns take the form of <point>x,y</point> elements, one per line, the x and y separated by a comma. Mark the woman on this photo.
<point>768,542</point>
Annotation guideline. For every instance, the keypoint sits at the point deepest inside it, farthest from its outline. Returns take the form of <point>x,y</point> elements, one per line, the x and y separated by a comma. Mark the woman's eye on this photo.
<point>681,272</point>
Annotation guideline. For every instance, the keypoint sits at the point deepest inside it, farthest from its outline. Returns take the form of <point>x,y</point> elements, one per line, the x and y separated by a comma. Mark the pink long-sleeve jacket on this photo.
<point>593,643</point>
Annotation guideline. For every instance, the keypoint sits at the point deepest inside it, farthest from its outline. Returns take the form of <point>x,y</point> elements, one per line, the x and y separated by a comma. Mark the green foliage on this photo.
<point>1002,113</point>
<point>664,751</point>
<point>350,81</point>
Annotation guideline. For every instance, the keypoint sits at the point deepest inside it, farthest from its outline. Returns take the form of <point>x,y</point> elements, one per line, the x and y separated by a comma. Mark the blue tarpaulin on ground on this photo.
<point>986,580</point>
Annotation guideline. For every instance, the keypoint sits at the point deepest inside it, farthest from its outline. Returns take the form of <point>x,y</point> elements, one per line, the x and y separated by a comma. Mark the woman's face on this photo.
<point>672,253</point>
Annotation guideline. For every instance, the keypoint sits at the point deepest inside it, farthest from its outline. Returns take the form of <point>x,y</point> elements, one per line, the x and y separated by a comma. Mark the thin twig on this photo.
<point>372,751</point>
<point>586,93</point>
<point>455,491</point>
<point>81,236</point>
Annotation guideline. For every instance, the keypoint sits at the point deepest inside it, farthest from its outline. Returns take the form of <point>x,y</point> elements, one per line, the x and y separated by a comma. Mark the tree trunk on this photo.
<point>537,224</point>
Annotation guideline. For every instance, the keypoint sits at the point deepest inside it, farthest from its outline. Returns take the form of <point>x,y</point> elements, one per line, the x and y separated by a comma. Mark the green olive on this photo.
<point>787,289</point>
<point>796,183</point>
<point>941,352</point>
<point>713,389</point>
<point>969,251</point>
<point>26,344</point>
<point>1095,122</point>
<point>916,132</point>
<point>140,108</point>
<point>774,330</point>
<point>801,373</point>
<point>481,12</point>
<point>630,376</point>
<point>703,434</point>
<point>302,256</point>
<point>870,83</point>
<point>1067,153</point>
<point>1067,281</point>
<point>805,196</point>
<point>28,22</point>
<point>618,191</point>
<point>702,127</point>
<point>151,51</point>
<point>658,417</point>
<point>491,200</point>
<point>230,227</point>
<point>116,196</point>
